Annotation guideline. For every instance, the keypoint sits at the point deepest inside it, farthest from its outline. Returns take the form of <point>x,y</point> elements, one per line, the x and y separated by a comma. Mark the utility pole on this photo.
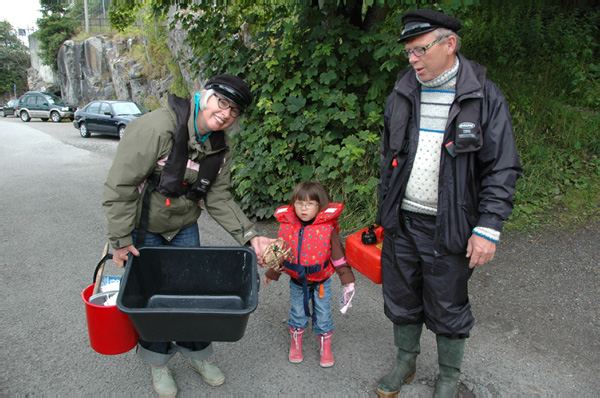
<point>85,13</point>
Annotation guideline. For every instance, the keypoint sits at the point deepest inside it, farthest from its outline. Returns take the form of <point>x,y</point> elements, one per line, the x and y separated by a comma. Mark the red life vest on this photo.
<point>311,244</point>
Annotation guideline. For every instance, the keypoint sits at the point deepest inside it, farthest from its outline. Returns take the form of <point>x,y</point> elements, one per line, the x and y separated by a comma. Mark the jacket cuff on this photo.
<point>345,274</point>
<point>491,221</point>
<point>251,233</point>
<point>121,242</point>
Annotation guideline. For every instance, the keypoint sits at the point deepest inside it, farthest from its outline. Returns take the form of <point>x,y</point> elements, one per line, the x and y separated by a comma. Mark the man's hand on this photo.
<point>259,244</point>
<point>120,255</point>
<point>480,250</point>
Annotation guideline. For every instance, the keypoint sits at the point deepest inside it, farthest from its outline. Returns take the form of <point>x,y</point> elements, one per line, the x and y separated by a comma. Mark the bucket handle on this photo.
<point>97,279</point>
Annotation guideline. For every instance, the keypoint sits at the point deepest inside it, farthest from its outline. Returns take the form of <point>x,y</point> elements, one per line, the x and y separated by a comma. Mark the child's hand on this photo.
<point>267,280</point>
<point>346,298</point>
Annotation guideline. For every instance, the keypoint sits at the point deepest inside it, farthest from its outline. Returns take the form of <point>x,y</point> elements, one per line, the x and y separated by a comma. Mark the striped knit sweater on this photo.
<point>421,195</point>
<point>436,97</point>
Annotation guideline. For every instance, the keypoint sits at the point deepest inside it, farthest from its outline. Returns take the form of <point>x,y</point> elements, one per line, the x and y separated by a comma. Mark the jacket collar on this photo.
<point>470,74</point>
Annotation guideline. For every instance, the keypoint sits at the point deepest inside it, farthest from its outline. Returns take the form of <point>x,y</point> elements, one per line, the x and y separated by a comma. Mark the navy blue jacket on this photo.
<point>477,178</point>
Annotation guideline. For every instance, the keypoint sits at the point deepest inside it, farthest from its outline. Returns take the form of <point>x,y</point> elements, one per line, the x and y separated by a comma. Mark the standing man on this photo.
<point>448,171</point>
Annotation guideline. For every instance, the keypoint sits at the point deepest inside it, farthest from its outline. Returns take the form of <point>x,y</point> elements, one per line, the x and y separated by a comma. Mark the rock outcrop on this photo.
<point>40,77</point>
<point>100,68</point>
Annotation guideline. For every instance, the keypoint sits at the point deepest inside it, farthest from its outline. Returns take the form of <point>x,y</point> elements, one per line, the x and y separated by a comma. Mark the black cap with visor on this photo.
<point>418,22</point>
<point>233,88</point>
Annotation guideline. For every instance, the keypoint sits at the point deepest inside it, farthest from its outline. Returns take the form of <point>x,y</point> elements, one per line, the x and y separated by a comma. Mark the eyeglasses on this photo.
<point>309,205</point>
<point>420,51</point>
<point>225,104</point>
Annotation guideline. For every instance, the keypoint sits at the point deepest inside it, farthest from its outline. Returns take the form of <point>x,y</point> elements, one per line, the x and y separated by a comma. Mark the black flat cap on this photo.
<point>418,22</point>
<point>232,87</point>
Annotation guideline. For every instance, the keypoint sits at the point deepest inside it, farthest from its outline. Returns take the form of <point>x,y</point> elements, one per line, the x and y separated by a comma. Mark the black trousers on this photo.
<point>422,286</point>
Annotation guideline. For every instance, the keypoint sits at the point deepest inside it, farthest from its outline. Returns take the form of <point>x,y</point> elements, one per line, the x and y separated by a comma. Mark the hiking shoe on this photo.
<point>210,373</point>
<point>163,382</point>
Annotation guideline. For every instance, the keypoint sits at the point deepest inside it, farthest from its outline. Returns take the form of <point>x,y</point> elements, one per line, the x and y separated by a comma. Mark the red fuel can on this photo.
<point>366,258</point>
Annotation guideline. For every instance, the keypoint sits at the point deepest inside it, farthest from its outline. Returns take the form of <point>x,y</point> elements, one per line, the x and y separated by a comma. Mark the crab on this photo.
<point>275,253</point>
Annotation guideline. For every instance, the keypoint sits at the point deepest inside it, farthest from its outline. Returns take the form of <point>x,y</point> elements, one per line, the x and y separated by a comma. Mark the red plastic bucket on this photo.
<point>111,332</point>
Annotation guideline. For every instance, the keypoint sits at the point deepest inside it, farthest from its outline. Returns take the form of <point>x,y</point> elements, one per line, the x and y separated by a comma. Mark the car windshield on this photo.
<point>128,108</point>
<point>53,99</point>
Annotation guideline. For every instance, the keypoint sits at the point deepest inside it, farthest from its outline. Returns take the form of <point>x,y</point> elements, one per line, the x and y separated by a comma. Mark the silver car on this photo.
<point>45,106</point>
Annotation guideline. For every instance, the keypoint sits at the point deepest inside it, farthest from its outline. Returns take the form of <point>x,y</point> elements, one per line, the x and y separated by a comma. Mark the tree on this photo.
<point>14,61</point>
<point>54,29</point>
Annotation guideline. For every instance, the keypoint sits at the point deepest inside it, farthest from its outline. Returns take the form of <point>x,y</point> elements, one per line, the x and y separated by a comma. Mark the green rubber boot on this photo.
<point>407,339</point>
<point>450,356</point>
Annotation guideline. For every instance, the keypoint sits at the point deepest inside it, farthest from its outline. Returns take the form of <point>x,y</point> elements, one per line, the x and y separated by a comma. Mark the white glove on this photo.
<point>346,298</point>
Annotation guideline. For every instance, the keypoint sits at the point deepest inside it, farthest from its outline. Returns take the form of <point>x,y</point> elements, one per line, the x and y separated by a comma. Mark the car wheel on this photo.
<point>25,116</point>
<point>83,130</point>
<point>55,116</point>
<point>44,119</point>
<point>4,113</point>
<point>121,131</point>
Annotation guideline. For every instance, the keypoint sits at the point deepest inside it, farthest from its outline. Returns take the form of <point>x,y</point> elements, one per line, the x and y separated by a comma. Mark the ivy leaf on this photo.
<point>327,77</point>
<point>294,104</point>
<point>307,172</point>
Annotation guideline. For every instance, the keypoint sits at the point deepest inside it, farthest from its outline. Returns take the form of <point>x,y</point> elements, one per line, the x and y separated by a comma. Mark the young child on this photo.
<point>309,227</point>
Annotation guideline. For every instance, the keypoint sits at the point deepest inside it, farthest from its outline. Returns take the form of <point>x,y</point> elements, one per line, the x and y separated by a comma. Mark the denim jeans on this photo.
<point>321,307</point>
<point>187,237</point>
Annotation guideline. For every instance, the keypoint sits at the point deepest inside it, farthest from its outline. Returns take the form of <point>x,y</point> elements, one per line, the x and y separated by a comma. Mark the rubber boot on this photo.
<point>326,354</point>
<point>163,382</point>
<point>296,346</point>
<point>408,341</point>
<point>450,356</point>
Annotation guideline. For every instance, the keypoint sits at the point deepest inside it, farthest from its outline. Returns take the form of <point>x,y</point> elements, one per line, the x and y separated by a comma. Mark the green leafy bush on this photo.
<point>320,86</point>
<point>545,60</point>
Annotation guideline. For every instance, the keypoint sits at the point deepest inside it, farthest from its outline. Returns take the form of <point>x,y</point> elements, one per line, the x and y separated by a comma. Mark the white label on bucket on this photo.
<point>111,300</point>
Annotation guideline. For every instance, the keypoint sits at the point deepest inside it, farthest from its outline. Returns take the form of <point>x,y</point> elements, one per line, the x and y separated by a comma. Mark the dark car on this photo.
<point>10,108</point>
<point>45,106</point>
<point>106,117</point>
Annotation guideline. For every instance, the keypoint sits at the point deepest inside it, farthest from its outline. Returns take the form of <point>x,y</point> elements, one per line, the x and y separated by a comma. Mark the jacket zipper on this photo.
<point>300,238</point>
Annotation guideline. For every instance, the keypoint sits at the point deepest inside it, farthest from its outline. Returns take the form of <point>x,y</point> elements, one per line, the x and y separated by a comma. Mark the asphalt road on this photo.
<point>536,305</point>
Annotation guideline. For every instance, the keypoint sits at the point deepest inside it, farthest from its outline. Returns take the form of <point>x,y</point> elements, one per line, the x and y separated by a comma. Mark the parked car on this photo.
<point>10,108</point>
<point>106,117</point>
<point>45,106</point>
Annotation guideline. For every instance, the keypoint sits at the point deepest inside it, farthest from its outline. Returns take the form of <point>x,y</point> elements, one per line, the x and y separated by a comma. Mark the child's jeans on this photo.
<point>321,307</point>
